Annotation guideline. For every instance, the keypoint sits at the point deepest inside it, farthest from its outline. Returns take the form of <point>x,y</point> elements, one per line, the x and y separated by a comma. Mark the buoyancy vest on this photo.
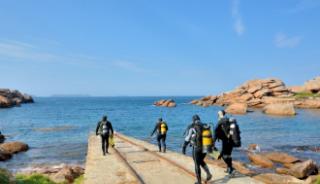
<point>229,131</point>
<point>163,128</point>
<point>202,137</point>
<point>104,128</point>
<point>234,133</point>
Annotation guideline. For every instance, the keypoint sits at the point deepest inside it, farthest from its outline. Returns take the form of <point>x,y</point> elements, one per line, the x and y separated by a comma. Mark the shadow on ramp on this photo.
<point>226,179</point>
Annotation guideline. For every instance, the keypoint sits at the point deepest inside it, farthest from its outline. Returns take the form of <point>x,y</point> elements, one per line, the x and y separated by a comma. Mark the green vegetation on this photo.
<point>318,181</point>
<point>79,180</point>
<point>5,177</point>
<point>33,179</point>
<point>305,95</point>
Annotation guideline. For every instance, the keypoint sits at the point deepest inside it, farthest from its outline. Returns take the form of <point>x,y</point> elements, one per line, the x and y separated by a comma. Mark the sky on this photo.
<point>155,47</point>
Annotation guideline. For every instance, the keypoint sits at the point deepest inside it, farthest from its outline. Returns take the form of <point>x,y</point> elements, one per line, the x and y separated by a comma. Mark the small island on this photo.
<point>10,98</point>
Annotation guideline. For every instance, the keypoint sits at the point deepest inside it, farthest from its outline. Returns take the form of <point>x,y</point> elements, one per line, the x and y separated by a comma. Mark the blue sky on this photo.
<point>149,47</point>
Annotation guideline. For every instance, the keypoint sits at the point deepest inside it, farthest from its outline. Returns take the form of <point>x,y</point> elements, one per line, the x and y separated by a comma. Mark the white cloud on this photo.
<point>21,51</point>
<point>303,5</point>
<point>130,66</point>
<point>238,25</point>
<point>281,40</point>
<point>25,51</point>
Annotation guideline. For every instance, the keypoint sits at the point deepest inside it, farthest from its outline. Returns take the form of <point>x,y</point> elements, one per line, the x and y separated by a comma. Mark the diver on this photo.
<point>161,128</point>
<point>228,132</point>
<point>200,137</point>
<point>105,130</point>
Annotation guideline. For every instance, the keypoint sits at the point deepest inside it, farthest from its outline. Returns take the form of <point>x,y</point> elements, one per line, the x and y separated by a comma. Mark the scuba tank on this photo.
<point>163,128</point>
<point>234,132</point>
<point>104,128</point>
<point>207,141</point>
<point>202,137</point>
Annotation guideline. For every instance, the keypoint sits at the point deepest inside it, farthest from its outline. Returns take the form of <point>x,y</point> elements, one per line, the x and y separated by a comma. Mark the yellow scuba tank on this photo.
<point>207,142</point>
<point>163,128</point>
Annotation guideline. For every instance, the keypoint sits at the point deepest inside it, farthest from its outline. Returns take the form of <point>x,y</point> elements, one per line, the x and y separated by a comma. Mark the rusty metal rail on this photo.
<point>132,170</point>
<point>191,174</point>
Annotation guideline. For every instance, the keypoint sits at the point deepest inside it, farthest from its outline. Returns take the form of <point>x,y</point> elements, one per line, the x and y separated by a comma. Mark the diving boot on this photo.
<point>209,175</point>
<point>231,172</point>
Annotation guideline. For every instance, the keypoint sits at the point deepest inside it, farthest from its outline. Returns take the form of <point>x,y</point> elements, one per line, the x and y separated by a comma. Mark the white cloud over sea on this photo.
<point>238,24</point>
<point>282,40</point>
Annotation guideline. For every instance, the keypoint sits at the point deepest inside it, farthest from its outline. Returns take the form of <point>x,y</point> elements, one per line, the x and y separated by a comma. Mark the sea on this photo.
<point>57,128</point>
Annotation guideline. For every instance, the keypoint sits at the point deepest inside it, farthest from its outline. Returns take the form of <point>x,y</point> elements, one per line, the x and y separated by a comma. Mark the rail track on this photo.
<point>134,161</point>
<point>150,166</point>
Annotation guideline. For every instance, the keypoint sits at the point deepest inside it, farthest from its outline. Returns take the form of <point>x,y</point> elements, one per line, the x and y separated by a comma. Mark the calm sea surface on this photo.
<point>57,128</point>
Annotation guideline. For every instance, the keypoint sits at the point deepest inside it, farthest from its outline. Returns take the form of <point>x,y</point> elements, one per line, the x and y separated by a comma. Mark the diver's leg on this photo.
<point>196,159</point>
<point>159,143</point>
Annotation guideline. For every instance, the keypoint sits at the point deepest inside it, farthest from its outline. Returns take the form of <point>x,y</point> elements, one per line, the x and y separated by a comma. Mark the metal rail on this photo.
<point>132,170</point>
<point>158,155</point>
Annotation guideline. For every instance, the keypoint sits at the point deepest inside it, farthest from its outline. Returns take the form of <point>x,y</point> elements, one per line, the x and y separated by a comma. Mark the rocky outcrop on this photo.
<point>280,109</point>
<point>165,103</point>
<point>67,174</point>
<point>205,101</point>
<point>239,166</point>
<point>303,169</point>
<point>312,179</point>
<point>292,167</point>
<point>308,103</point>
<point>4,155</point>
<point>10,98</point>
<point>281,157</point>
<point>242,168</point>
<point>10,148</point>
<point>297,89</point>
<point>261,92</point>
<point>250,93</point>
<point>282,170</point>
<point>312,86</point>
<point>260,160</point>
<point>271,178</point>
<point>14,147</point>
<point>237,108</point>
<point>58,174</point>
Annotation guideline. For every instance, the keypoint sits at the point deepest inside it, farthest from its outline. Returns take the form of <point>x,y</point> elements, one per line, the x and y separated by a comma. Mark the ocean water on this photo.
<point>57,128</point>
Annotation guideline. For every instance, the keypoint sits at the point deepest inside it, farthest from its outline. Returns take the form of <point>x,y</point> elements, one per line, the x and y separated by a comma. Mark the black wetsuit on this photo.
<point>197,151</point>
<point>161,138</point>
<point>105,136</point>
<point>221,132</point>
<point>198,158</point>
